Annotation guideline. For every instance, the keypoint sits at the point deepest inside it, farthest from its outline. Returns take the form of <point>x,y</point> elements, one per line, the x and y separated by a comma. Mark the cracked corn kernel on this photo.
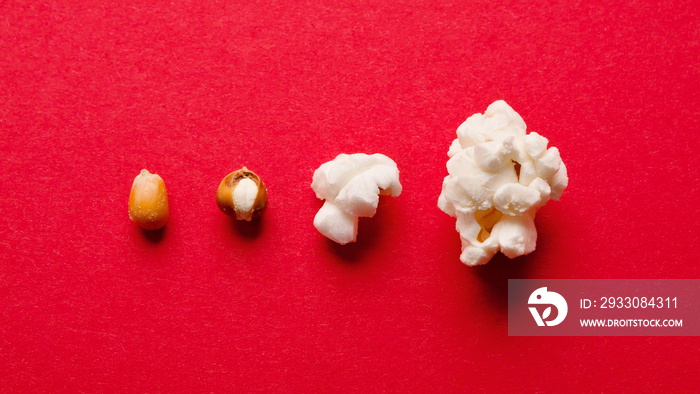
<point>242,195</point>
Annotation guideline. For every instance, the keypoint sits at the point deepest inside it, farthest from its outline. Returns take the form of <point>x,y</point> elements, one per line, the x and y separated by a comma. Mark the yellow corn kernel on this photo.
<point>148,201</point>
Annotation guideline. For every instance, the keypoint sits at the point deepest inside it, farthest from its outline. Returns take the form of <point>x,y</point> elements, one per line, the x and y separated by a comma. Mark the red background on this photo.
<point>91,93</point>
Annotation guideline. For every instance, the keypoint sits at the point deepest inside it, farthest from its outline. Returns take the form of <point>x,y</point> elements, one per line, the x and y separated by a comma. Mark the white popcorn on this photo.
<point>499,176</point>
<point>351,185</point>
<point>245,194</point>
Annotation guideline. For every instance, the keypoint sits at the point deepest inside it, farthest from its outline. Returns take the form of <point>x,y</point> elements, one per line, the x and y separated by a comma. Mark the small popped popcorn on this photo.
<point>499,176</point>
<point>351,185</point>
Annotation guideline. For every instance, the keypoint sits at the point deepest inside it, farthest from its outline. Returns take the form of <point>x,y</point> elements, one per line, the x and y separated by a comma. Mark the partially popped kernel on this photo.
<point>351,185</point>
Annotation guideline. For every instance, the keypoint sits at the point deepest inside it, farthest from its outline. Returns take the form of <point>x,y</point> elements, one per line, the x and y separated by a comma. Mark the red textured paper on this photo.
<point>92,92</point>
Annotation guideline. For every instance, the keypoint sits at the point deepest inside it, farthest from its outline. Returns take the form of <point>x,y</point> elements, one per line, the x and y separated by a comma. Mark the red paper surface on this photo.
<point>92,92</point>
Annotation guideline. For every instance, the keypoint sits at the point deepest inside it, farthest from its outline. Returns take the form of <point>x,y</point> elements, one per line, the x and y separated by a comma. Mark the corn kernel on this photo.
<point>148,201</point>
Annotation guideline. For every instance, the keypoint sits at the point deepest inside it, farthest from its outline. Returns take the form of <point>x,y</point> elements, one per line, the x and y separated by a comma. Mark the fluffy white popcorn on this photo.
<point>499,176</point>
<point>245,194</point>
<point>351,185</point>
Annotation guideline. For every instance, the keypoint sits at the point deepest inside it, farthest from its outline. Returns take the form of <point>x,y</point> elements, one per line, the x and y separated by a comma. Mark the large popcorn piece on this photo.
<point>351,185</point>
<point>499,176</point>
